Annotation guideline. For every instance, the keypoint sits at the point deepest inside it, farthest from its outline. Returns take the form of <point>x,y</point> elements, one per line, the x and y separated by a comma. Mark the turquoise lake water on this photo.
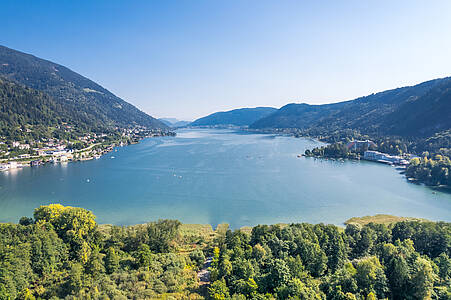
<point>214,176</point>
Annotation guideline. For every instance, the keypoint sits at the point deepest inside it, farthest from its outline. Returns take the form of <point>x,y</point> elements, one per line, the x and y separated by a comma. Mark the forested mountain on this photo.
<point>416,111</point>
<point>425,115</point>
<point>237,117</point>
<point>86,101</point>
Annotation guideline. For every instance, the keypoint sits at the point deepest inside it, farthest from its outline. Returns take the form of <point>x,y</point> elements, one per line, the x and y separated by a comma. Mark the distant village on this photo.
<point>18,154</point>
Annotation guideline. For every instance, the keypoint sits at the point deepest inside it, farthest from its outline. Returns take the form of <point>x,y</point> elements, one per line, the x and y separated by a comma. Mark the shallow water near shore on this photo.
<point>212,176</point>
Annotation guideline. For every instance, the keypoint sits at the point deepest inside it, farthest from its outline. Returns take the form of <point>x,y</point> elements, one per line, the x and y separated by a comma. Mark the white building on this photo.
<point>384,158</point>
<point>12,165</point>
<point>24,146</point>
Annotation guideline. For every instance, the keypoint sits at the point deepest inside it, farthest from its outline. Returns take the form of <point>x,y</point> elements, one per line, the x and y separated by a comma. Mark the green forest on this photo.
<point>432,171</point>
<point>84,101</point>
<point>28,114</point>
<point>62,253</point>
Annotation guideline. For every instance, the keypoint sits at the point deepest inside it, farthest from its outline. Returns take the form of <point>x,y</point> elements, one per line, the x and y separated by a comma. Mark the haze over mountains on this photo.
<point>173,122</point>
<point>79,100</point>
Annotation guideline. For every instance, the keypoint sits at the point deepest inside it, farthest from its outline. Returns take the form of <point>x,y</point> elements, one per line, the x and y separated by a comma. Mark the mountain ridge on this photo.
<point>372,114</point>
<point>235,117</point>
<point>96,106</point>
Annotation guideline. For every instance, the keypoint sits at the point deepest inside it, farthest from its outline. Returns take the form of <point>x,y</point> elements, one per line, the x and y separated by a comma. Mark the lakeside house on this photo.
<point>9,165</point>
<point>58,152</point>
<point>384,158</point>
<point>23,146</point>
<point>35,163</point>
<point>53,151</point>
<point>42,151</point>
<point>63,158</point>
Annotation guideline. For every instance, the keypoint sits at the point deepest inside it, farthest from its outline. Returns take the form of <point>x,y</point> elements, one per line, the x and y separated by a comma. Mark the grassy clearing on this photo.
<point>221,228</point>
<point>246,229</point>
<point>381,219</point>
<point>191,236</point>
<point>105,229</point>
<point>194,236</point>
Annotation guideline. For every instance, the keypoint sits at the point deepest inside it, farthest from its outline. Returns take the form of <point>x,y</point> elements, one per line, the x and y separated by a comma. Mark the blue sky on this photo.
<point>186,59</point>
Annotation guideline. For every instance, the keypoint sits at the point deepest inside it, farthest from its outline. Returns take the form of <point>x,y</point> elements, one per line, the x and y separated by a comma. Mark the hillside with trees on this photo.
<point>88,102</point>
<point>415,111</point>
<point>26,113</point>
<point>62,253</point>
<point>236,117</point>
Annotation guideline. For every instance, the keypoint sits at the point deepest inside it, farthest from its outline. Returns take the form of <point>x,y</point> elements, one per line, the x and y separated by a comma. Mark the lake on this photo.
<point>215,176</point>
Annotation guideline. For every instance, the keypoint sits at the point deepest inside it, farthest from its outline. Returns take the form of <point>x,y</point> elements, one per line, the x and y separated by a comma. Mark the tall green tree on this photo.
<point>111,260</point>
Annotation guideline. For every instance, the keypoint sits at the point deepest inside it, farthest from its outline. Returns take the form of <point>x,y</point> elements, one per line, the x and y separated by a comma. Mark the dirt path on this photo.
<point>204,274</point>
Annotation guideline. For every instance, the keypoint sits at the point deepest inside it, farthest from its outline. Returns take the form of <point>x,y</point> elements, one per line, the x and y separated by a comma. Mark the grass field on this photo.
<point>381,219</point>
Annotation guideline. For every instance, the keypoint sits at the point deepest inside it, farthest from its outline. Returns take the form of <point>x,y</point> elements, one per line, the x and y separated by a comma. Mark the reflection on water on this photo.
<point>214,176</point>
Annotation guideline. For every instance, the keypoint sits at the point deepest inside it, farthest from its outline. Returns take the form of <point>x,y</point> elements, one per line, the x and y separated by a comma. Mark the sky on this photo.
<point>187,59</point>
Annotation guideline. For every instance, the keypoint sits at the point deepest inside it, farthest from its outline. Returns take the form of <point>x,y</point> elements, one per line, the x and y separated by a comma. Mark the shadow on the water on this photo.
<point>434,189</point>
<point>441,189</point>
<point>269,137</point>
<point>243,132</point>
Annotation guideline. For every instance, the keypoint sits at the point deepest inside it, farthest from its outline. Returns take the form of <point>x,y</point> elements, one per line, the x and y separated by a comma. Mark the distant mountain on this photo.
<point>173,122</point>
<point>87,101</point>
<point>168,121</point>
<point>181,124</point>
<point>419,110</point>
<point>237,117</point>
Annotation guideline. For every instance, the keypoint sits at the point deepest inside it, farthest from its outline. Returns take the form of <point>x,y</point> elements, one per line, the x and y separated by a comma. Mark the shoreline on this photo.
<point>385,219</point>
<point>36,161</point>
